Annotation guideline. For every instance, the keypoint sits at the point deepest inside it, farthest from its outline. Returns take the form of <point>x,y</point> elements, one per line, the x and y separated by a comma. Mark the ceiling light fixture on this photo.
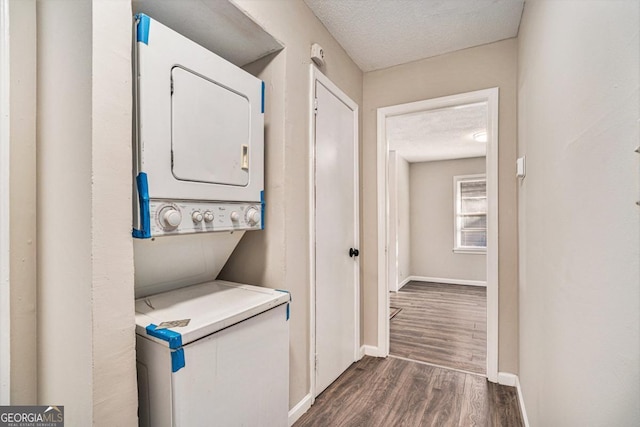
<point>480,136</point>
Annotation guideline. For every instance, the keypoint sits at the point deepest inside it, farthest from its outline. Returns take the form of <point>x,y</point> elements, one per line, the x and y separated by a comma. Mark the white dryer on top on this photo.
<point>199,139</point>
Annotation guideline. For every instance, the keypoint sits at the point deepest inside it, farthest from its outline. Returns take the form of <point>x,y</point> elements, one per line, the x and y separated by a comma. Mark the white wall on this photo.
<point>113,328</point>
<point>86,346</point>
<point>64,187</point>
<point>23,202</point>
<point>432,221</point>
<point>398,221</point>
<point>578,111</point>
<point>405,204</point>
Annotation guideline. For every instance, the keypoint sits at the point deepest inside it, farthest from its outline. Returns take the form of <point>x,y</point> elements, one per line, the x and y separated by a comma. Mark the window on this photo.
<point>470,213</point>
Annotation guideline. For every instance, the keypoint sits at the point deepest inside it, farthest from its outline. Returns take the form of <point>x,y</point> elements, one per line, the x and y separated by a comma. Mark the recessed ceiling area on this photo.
<point>219,26</point>
<point>442,134</point>
<point>382,33</point>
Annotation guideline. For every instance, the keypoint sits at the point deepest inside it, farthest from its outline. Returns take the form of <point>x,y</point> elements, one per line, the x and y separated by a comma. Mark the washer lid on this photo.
<point>209,307</point>
<point>209,131</point>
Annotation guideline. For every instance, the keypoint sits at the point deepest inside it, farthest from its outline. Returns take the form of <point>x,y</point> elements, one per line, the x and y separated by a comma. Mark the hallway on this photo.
<point>396,392</point>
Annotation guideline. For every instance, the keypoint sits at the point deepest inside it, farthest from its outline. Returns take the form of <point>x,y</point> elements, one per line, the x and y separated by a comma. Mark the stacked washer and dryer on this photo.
<point>209,352</point>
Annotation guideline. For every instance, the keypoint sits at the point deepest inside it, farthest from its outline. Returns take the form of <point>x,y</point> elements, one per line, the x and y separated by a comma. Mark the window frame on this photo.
<point>457,248</point>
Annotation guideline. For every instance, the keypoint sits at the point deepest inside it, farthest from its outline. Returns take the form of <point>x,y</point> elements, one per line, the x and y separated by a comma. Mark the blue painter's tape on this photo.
<point>173,338</point>
<point>145,217</point>
<point>263,89</point>
<point>142,31</point>
<point>177,360</point>
<point>290,299</point>
<point>262,208</point>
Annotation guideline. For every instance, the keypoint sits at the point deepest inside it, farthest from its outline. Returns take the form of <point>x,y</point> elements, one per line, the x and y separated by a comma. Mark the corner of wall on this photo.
<point>22,16</point>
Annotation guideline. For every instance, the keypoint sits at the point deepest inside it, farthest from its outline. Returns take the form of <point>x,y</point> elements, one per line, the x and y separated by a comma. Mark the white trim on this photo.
<point>404,282</point>
<point>507,378</point>
<point>299,410</point>
<point>512,380</point>
<point>492,235</point>
<point>5,291</point>
<point>491,97</point>
<point>373,351</point>
<point>362,352</point>
<point>448,281</point>
<point>523,411</point>
<point>317,75</point>
<point>312,247</point>
<point>382,173</point>
<point>470,251</point>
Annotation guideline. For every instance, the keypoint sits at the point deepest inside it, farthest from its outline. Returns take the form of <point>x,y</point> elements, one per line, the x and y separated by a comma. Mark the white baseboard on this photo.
<point>523,411</point>
<point>362,352</point>
<point>404,282</point>
<point>512,380</point>
<point>449,281</point>
<point>370,350</point>
<point>297,411</point>
<point>505,378</point>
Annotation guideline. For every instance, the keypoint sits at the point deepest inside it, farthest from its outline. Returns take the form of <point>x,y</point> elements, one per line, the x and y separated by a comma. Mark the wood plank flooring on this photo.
<point>378,392</point>
<point>441,324</point>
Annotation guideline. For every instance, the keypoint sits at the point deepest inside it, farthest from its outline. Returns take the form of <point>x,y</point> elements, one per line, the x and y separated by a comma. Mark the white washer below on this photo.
<point>228,367</point>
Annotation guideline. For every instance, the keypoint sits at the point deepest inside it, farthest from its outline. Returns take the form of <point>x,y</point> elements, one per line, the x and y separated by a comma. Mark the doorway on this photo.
<point>388,261</point>
<point>334,219</point>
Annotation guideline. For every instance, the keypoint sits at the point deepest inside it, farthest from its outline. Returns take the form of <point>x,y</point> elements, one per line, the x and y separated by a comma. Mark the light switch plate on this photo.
<point>520,167</point>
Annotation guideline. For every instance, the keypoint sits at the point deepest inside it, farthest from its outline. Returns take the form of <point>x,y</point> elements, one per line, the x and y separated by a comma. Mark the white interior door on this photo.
<point>393,223</point>
<point>336,233</point>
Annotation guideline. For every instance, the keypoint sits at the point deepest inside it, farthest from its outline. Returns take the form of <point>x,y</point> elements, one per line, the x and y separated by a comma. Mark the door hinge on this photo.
<point>172,86</point>
<point>315,106</point>
<point>316,362</point>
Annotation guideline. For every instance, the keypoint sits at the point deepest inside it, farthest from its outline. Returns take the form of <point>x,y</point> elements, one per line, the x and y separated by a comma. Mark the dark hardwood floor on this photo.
<point>442,324</point>
<point>396,392</point>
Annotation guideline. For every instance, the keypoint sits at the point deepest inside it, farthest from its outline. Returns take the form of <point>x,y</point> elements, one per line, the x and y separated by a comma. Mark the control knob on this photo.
<point>170,218</point>
<point>208,216</point>
<point>197,217</point>
<point>253,216</point>
<point>234,216</point>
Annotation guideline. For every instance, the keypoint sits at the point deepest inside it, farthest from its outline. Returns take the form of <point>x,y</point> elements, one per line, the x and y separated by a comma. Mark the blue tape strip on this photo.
<point>145,217</point>
<point>142,31</point>
<point>263,89</point>
<point>177,360</point>
<point>262,208</point>
<point>290,299</point>
<point>173,338</point>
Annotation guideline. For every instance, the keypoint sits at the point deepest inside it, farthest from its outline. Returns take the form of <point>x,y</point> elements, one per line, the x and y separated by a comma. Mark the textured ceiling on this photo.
<point>438,134</point>
<point>381,33</point>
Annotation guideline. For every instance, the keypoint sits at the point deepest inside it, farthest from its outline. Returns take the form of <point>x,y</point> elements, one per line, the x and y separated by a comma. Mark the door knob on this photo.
<point>353,252</point>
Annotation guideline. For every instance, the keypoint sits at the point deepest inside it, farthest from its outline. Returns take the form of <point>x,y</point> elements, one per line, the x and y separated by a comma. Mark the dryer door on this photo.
<point>210,137</point>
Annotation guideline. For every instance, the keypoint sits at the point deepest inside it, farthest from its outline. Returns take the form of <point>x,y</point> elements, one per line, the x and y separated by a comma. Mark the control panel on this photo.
<point>183,217</point>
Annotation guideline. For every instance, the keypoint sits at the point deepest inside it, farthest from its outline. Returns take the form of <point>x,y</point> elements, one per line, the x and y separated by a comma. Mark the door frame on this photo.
<point>317,76</point>
<point>491,97</point>
<point>5,307</point>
